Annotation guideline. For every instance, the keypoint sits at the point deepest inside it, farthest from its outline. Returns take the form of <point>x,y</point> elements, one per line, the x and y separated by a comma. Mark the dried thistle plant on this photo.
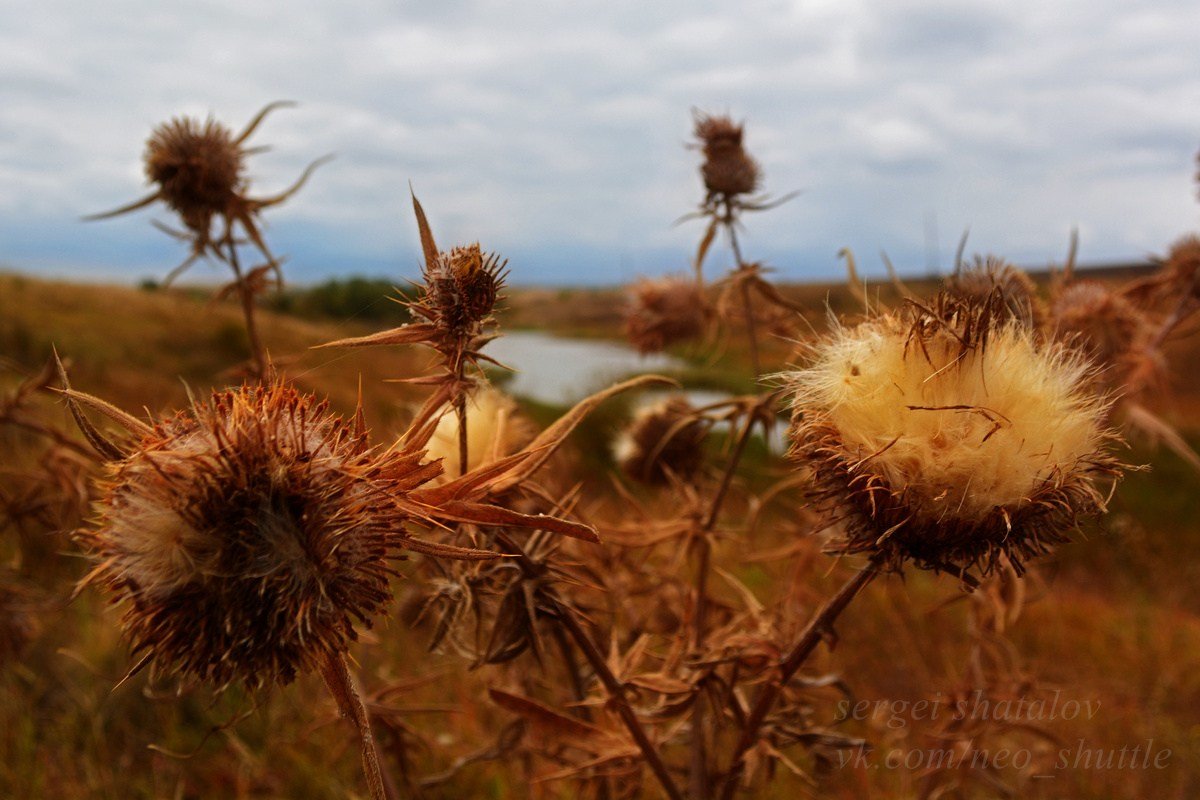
<point>663,443</point>
<point>454,305</point>
<point>948,435</point>
<point>665,311</point>
<point>247,536</point>
<point>731,176</point>
<point>198,170</point>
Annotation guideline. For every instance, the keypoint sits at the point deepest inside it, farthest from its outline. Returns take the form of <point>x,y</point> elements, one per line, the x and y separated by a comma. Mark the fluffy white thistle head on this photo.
<point>950,434</point>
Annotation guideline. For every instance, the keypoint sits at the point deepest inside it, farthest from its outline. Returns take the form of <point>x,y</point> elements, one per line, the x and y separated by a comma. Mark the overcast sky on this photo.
<point>555,133</point>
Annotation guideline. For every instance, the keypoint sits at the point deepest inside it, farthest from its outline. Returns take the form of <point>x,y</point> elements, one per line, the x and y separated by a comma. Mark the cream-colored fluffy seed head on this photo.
<point>947,433</point>
<point>495,429</point>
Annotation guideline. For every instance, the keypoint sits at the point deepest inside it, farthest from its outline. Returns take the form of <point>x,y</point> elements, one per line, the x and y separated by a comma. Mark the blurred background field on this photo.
<point>1113,619</point>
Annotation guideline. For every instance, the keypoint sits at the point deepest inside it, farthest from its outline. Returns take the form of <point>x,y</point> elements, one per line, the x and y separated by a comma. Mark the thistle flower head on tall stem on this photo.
<point>198,169</point>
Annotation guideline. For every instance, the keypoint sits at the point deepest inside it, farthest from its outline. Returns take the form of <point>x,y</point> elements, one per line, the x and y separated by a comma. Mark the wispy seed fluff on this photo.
<point>949,435</point>
<point>247,537</point>
<point>495,429</point>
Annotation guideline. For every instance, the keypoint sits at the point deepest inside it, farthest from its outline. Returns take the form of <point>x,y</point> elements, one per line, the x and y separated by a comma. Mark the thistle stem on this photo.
<point>698,785</point>
<point>727,477</point>
<point>729,220</point>
<point>460,410</point>
<point>698,767</point>
<point>257,351</point>
<point>616,690</point>
<point>336,672</point>
<point>817,628</point>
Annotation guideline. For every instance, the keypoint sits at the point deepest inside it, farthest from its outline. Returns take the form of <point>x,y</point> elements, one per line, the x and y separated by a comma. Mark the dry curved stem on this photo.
<point>336,672</point>
<point>816,630</point>
<point>569,619</point>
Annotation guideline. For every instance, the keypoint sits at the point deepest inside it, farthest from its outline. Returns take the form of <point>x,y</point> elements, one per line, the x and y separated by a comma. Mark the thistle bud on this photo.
<point>949,435</point>
<point>461,290</point>
<point>727,169</point>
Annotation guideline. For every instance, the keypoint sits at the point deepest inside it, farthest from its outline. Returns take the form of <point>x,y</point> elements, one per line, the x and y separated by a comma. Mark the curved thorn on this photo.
<point>1072,252</point>
<point>856,283</point>
<point>267,202</point>
<point>260,116</point>
<point>958,254</point>
<point>116,212</point>
<point>896,282</point>
<point>428,246</point>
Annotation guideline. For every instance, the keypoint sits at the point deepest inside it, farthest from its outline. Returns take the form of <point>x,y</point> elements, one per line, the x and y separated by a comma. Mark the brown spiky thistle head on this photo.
<point>1183,266</point>
<point>986,275</point>
<point>1103,324</point>
<point>453,309</point>
<point>248,536</point>
<point>728,170</point>
<point>950,435</point>
<point>663,442</point>
<point>198,169</point>
<point>666,311</point>
<point>460,290</point>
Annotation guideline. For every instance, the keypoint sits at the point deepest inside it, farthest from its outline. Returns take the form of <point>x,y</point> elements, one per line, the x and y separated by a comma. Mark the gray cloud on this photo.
<point>554,132</point>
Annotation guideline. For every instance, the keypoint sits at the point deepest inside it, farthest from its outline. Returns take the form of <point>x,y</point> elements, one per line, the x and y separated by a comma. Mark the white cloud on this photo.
<point>554,131</point>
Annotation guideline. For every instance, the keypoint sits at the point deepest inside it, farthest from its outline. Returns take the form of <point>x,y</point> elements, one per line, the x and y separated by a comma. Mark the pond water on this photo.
<point>558,371</point>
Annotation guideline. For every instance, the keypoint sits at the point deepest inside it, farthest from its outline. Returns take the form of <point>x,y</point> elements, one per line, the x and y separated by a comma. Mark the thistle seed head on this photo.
<point>727,169</point>
<point>949,435</point>
<point>248,536</point>
<point>662,442</point>
<point>197,168</point>
<point>495,429</point>
<point>665,311</point>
